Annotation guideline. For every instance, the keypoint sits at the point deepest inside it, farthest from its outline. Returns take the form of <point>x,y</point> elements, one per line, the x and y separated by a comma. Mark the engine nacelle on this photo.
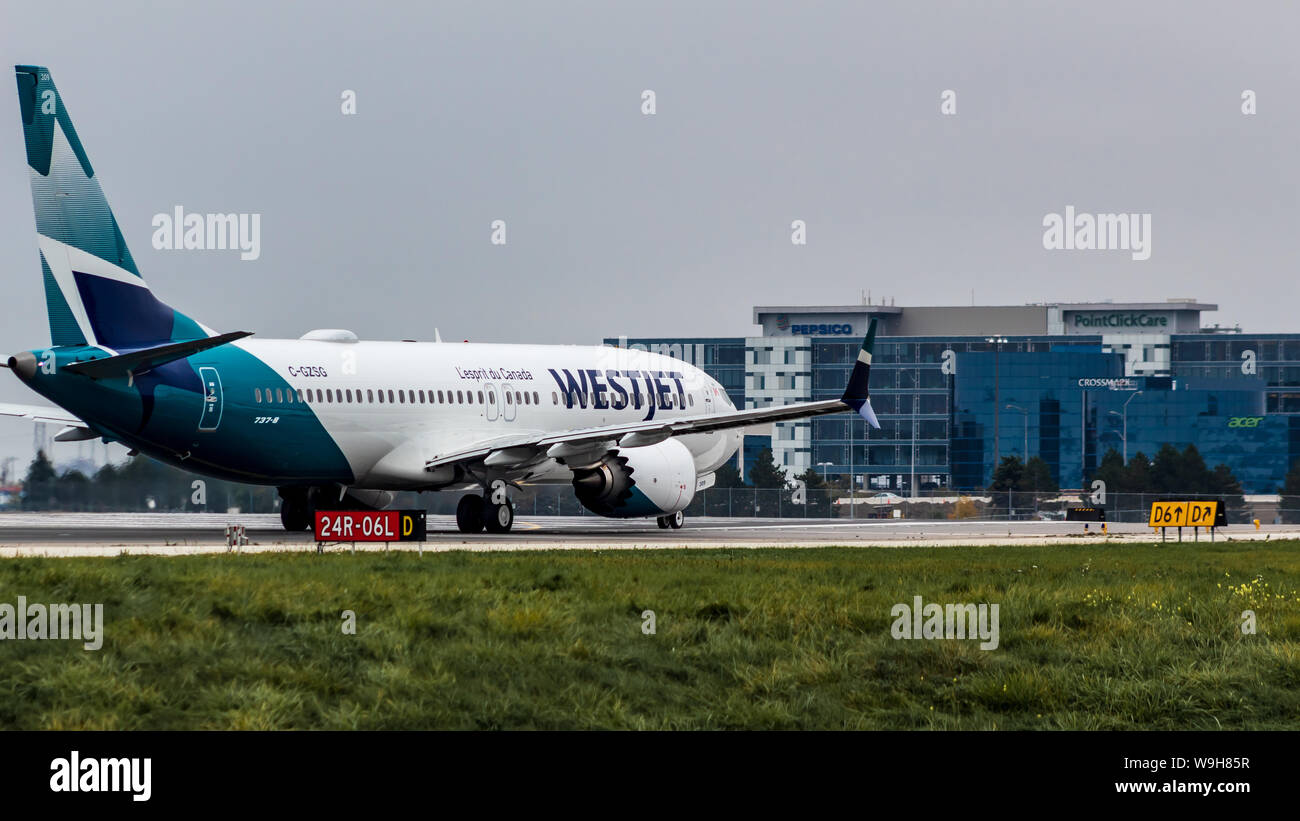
<point>653,480</point>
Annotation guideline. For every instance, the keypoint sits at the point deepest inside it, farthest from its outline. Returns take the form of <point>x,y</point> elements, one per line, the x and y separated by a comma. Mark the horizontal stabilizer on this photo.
<point>143,360</point>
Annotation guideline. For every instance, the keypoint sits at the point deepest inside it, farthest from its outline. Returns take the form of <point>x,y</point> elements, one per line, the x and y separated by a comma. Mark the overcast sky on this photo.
<point>679,222</point>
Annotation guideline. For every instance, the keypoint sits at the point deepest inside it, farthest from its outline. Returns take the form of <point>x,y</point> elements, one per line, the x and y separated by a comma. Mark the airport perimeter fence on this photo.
<point>747,502</point>
<point>773,503</point>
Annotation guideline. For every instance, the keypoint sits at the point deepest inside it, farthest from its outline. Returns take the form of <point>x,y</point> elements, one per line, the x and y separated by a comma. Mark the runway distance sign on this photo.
<point>1187,514</point>
<point>1085,514</point>
<point>370,526</point>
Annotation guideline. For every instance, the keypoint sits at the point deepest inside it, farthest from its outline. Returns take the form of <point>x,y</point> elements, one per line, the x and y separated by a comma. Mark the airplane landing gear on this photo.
<point>296,513</point>
<point>673,520</point>
<point>493,511</point>
<point>469,514</point>
<point>498,518</point>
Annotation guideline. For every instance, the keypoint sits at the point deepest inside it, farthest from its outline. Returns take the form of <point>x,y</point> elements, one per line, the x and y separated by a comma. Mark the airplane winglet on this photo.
<point>855,393</point>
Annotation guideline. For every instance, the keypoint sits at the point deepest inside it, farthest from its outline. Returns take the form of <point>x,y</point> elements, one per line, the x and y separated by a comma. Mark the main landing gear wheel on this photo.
<point>469,514</point>
<point>673,520</point>
<point>295,515</point>
<point>498,518</point>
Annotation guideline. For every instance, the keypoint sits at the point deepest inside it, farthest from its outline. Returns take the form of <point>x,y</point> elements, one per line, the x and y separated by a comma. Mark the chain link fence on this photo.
<point>787,503</point>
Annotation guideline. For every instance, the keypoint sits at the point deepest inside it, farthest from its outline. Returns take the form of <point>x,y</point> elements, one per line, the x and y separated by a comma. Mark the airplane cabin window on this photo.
<point>421,397</point>
<point>535,400</point>
<point>492,397</point>
<point>460,398</point>
<point>480,397</point>
<point>257,395</point>
<point>390,397</point>
<point>439,397</point>
<point>279,396</point>
<point>299,392</point>
<point>691,398</point>
<point>555,398</point>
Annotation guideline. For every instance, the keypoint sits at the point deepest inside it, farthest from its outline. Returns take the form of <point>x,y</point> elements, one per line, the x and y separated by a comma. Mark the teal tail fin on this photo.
<point>94,293</point>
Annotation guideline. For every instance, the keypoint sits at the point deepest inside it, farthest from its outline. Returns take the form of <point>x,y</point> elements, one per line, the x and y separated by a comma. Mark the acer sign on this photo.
<point>370,526</point>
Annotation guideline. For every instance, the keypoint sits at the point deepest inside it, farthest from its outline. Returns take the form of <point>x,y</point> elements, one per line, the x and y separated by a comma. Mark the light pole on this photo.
<point>826,490</point>
<point>1124,416</point>
<point>997,342</point>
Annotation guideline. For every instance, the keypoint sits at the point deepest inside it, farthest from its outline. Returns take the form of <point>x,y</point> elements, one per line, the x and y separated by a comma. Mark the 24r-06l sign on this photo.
<point>370,526</point>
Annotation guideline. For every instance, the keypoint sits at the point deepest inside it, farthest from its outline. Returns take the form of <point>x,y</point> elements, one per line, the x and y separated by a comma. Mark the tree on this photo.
<point>728,476</point>
<point>1197,477</point>
<point>38,487</point>
<point>1008,475</point>
<point>1228,489</point>
<point>1006,479</point>
<point>817,494</point>
<point>73,491</point>
<point>1167,470</point>
<point>1037,477</point>
<point>1112,472</point>
<point>1137,474</point>
<point>765,472</point>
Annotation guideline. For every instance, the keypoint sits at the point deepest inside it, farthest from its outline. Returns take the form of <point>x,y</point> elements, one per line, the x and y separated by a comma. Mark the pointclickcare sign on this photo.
<point>1120,319</point>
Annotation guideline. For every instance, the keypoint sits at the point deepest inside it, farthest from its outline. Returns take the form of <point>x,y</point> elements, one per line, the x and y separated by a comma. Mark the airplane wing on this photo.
<point>75,430</point>
<point>38,413</point>
<point>523,449</point>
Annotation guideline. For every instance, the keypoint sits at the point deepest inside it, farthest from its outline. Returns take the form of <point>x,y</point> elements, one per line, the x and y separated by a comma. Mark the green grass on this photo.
<point>1092,637</point>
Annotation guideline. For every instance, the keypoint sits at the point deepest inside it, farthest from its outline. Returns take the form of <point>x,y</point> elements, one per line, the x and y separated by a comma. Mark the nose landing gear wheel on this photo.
<point>469,514</point>
<point>498,518</point>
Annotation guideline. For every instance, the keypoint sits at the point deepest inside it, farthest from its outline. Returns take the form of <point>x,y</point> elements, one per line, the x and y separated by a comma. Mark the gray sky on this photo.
<point>676,223</point>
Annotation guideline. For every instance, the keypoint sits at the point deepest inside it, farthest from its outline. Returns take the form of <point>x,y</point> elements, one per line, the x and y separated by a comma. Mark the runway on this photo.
<point>110,534</point>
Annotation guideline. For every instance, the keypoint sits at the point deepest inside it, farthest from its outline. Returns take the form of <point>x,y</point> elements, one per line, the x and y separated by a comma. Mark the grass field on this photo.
<point>1091,637</point>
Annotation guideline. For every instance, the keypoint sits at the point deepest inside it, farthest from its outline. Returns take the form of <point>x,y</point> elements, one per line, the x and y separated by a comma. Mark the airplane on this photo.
<point>334,422</point>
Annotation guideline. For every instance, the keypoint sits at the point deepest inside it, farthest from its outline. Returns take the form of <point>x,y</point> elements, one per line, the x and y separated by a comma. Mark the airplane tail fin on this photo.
<point>94,293</point>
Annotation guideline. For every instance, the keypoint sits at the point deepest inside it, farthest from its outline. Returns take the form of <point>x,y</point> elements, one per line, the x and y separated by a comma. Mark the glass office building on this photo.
<point>958,388</point>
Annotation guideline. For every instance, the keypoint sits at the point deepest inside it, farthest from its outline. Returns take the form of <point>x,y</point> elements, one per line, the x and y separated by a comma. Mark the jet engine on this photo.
<point>653,480</point>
